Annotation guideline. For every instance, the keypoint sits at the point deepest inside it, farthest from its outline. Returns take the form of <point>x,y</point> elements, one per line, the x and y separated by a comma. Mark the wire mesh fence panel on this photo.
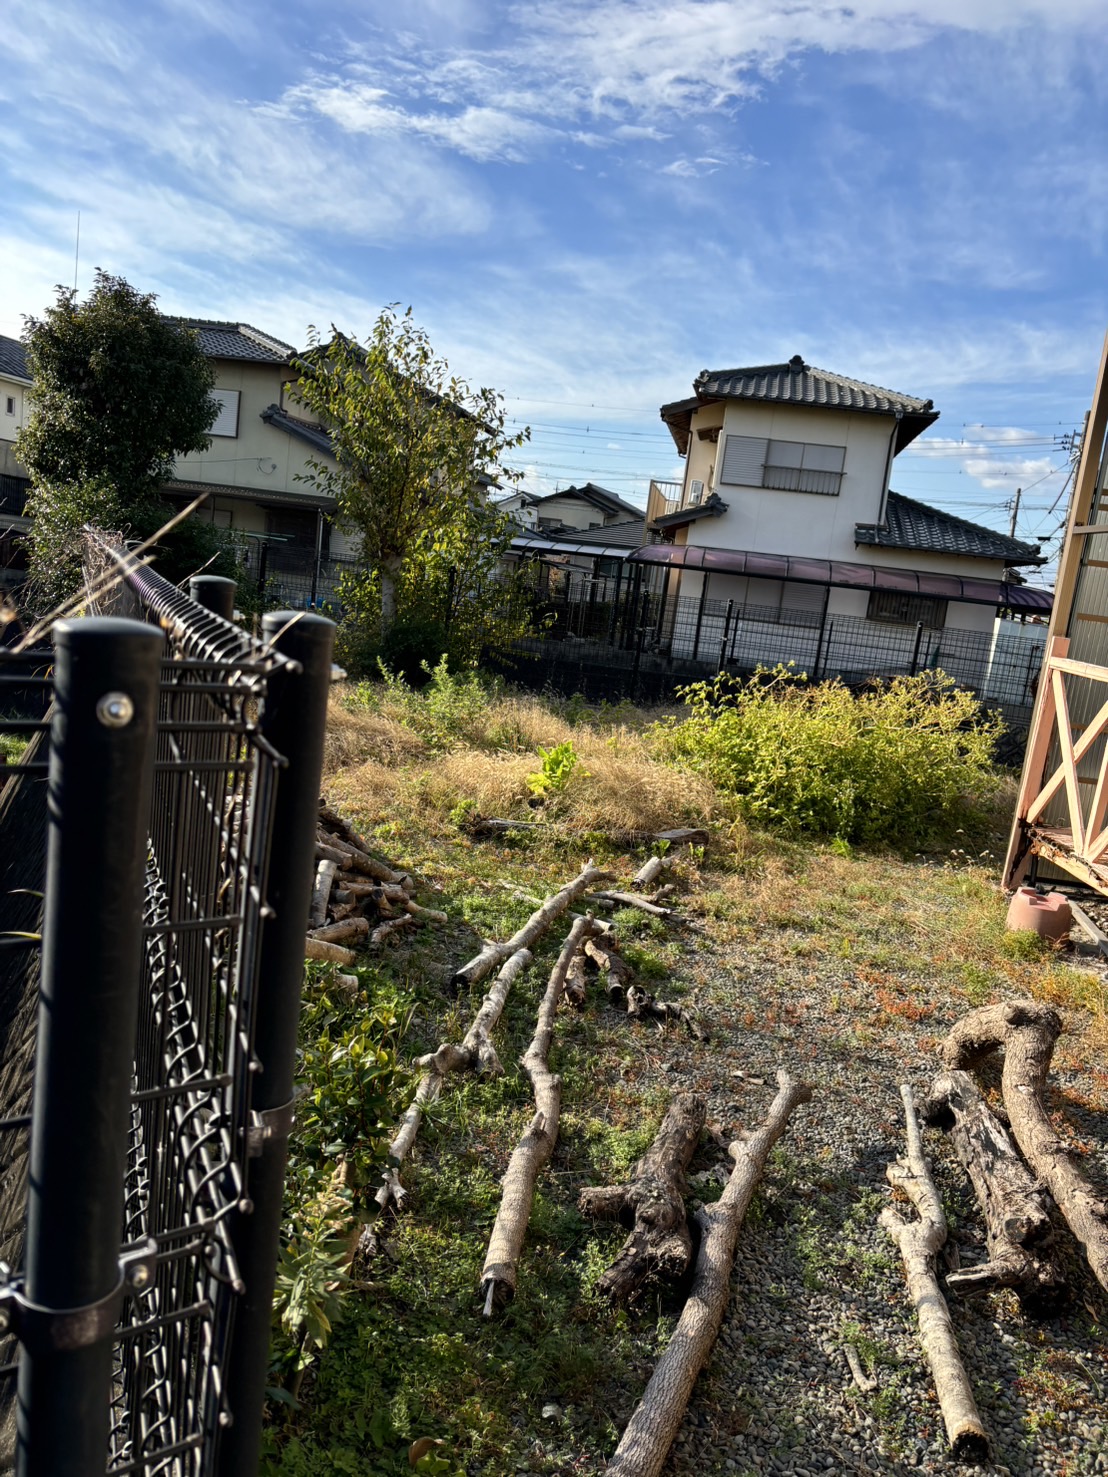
<point>191,1124</point>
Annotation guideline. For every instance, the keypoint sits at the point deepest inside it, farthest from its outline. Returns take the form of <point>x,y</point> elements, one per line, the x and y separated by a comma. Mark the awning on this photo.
<point>844,575</point>
<point>533,544</point>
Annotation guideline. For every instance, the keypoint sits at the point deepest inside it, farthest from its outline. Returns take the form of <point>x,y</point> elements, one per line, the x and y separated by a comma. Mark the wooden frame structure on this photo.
<point>1062,805</point>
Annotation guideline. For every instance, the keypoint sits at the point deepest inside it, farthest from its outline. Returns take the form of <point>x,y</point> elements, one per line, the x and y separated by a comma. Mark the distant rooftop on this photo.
<point>221,340</point>
<point>797,383</point>
<point>912,525</point>
<point>13,358</point>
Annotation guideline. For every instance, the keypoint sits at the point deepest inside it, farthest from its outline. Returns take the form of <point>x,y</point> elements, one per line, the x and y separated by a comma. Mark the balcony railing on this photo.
<point>663,498</point>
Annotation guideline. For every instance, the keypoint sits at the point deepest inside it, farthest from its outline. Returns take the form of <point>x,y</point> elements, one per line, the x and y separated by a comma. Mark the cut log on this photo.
<point>328,953</point>
<point>494,953</point>
<point>1018,1230</point>
<point>391,926</point>
<point>335,822</point>
<point>660,1243</point>
<point>632,900</point>
<point>340,933</point>
<point>498,1276</point>
<point>650,871</point>
<point>351,859</point>
<point>475,1054</point>
<point>919,1243</point>
<point>321,892</point>
<point>615,969</point>
<point>574,991</point>
<point>425,915</point>
<point>1028,1030</point>
<point>645,1444</point>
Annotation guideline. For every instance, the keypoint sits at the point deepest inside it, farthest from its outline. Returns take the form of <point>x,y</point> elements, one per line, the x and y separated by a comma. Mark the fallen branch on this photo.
<point>642,1005</point>
<point>498,1277</point>
<point>390,926</point>
<point>919,1243</point>
<point>476,1053</point>
<point>632,900</point>
<point>1028,1030</point>
<point>495,953</point>
<point>616,970</point>
<point>1018,1229</point>
<point>645,1444</point>
<point>660,1243</point>
<point>865,1382</point>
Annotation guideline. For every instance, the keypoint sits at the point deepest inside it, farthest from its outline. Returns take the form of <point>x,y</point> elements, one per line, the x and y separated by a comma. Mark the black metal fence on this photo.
<point>288,576</point>
<point>180,771</point>
<point>644,644</point>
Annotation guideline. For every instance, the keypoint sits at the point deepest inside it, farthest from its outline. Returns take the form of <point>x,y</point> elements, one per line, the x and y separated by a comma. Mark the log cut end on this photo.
<point>970,1445</point>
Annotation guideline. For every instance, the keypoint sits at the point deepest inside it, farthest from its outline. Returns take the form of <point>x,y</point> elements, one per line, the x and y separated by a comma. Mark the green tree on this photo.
<point>118,392</point>
<point>413,446</point>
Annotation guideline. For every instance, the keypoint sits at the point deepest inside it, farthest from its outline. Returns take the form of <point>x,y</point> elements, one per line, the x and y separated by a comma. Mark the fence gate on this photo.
<point>168,800</point>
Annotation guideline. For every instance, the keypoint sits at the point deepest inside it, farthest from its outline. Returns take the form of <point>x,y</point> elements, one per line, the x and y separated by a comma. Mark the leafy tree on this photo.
<point>412,444</point>
<point>118,392</point>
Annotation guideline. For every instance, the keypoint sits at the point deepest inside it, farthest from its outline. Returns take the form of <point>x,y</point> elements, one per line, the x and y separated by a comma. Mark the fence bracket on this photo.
<point>61,1330</point>
<point>270,1124</point>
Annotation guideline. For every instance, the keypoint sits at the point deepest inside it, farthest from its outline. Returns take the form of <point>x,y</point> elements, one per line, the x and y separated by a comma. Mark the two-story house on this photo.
<point>14,482</point>
<point>786,515</point>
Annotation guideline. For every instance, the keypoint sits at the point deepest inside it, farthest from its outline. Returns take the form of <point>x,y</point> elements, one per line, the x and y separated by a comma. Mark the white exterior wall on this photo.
<point>10,424</point>
<point>571,511</point>
<point>763,520</point>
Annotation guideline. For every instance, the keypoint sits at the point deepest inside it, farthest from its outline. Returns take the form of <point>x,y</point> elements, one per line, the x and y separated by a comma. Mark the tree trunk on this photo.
<point>321,892</point>
<point>388,570</point>
<point>339,933</point>
<point>328,953</point>
<point>660,1243</point>
<point>498,1277</point>
<point>1028,1030</point>
<point>616,970</point>
<point>493,953</point>
<point>645,1444</point>
<point>1019,1234</point>
<point>919,1242</point>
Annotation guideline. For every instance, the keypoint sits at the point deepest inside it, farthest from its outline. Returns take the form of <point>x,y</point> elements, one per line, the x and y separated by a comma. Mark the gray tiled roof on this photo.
<point>13,358</point>
<point>628,535</point>
<point>798,383</point>
<point>237,341</point>
<point>912,525</point>
<point>596,497</point>
<point>316,438</point>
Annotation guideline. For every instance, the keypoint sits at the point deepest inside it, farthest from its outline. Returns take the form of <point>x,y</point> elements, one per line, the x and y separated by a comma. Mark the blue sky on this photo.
<point>588,203</point>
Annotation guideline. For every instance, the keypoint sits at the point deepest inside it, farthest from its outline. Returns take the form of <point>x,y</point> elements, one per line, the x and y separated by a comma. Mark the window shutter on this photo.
<point>742,460</point>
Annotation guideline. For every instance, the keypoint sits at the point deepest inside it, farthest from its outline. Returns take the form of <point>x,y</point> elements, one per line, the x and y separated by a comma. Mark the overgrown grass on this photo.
<point>895,946</point>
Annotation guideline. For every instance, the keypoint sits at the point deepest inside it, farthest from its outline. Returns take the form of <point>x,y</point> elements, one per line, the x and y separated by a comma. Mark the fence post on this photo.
<point>263,569</point>
<point>294,721</point>
<point>726,634</point>
<point>915,651</point>
<point>615,604</point>
<point>214,593</point>
<point>704,578</point>
<point>819,643</point>
<point>102,744</point>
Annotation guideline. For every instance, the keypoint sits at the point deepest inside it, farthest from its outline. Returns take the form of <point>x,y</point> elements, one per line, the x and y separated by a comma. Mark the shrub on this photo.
<point>905,762</point>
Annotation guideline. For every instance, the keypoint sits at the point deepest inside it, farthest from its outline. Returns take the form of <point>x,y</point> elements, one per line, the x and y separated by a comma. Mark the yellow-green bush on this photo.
<point>904,762</point>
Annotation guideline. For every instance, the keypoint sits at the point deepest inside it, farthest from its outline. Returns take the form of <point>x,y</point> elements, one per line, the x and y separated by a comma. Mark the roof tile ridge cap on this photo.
<point>267,340</point>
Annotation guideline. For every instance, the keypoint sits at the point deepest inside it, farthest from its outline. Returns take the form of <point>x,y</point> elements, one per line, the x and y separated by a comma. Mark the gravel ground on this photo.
<point>815,1270</point>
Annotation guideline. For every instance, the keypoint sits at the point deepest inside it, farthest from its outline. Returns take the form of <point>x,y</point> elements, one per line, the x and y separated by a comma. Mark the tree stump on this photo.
<point>660,1243</point>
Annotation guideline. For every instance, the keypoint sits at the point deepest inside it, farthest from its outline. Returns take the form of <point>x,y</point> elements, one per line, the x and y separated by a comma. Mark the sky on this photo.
<point>586,204</point>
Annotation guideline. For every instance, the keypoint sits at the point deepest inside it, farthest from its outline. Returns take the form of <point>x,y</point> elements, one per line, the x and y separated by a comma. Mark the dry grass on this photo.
<point>355,735</point>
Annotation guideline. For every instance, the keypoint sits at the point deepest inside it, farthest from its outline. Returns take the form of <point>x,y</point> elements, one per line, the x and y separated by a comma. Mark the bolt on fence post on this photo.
<point>214,593</point>
<point>294,721</point>
<point>102,746</point>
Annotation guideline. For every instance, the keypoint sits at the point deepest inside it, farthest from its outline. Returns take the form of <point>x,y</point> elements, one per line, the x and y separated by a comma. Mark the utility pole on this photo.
<point>1015,513</point>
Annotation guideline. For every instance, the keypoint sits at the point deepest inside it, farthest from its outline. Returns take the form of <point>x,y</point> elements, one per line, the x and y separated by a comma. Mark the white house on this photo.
<point>14,482</point>
<point>786,516</point>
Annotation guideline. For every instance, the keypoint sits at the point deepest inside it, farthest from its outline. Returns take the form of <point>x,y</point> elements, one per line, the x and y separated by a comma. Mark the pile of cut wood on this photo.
<point>1016,1177</point>
<point>358,899</point>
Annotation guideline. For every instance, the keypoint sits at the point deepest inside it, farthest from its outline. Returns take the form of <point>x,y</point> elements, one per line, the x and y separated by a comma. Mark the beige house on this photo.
<point>255,470</point>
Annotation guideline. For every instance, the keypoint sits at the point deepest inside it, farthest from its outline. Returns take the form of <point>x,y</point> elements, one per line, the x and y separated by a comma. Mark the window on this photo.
<point>906,610</point>
<point>226,422</point>
<point>787,466</point>
<point>9,405</point>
